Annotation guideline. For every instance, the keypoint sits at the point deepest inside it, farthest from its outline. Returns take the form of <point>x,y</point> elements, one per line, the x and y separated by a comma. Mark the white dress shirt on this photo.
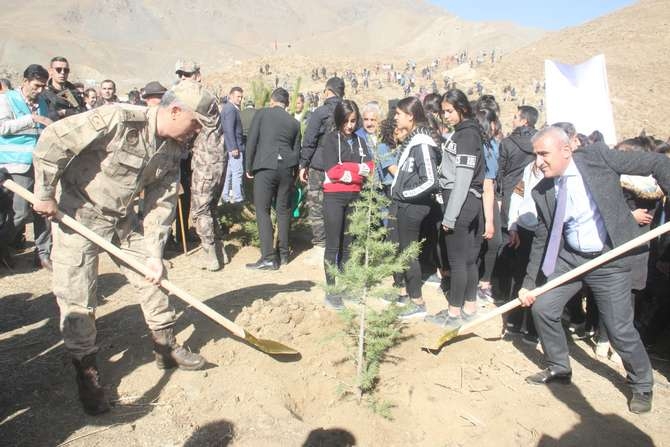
<point>583,227</point>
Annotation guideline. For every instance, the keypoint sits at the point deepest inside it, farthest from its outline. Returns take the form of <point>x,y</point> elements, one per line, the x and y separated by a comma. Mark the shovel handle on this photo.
<point>134,263</point>
<point>572,274</point>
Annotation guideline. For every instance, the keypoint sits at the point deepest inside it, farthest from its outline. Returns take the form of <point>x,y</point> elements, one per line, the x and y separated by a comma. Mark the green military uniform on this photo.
<point>103,159</point>
<point>208,165</point>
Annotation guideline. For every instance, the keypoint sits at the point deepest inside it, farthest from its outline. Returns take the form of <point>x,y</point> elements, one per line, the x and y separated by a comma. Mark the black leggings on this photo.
<point>405,226</point>
<point>491,247</point>
<point>463,244</point>
<point>337,206</point>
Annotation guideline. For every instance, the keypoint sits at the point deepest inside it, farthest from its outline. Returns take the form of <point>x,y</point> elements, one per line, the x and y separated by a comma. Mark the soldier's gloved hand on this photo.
<point>346,177</point>
<point>363,170</point>
<point>4,175</point>
<point>155,266</point>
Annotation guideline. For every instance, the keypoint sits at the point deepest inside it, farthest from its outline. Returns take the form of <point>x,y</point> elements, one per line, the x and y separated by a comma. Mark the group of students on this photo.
<point>458,185</point>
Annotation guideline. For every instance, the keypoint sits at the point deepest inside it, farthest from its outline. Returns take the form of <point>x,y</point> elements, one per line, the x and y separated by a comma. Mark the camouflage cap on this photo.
<point>186,66</point>
<point>194,96</point>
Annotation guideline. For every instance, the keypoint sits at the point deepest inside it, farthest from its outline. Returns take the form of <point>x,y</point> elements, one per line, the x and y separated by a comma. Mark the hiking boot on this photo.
<point>334,301</point>
<point>91,394</point>
<point>169,354</point>
<point>209,260</point>
<point>640,402</point>
<point>412,310</point>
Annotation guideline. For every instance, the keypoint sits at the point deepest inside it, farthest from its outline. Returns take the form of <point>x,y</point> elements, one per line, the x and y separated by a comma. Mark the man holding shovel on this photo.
<point>103,159</point>
<point>582,214</point>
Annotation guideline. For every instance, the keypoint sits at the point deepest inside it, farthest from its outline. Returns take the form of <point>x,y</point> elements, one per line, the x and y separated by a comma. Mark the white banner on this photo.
<point>579,94</point>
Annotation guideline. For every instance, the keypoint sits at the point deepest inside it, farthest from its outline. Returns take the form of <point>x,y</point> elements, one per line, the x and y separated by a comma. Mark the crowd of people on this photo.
<point>499,212</point>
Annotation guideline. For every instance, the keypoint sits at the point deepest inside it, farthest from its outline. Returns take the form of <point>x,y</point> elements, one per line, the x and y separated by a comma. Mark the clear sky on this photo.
<point>550,15</point>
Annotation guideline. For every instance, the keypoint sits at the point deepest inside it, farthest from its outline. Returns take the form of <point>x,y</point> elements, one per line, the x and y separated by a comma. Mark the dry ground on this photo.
<point>471,394</point>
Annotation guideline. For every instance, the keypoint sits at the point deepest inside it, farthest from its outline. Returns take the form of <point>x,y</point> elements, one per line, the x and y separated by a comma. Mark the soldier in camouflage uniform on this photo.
<point>103,159</point>
<point>208,164</point>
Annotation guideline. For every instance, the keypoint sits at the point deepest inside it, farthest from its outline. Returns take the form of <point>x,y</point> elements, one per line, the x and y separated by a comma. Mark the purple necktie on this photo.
<point>550,257</point>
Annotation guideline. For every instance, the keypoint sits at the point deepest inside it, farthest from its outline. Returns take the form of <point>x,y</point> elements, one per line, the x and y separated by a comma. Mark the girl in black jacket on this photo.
<point>461,180</point>
<point>412,192</point>
<point>347,162</point>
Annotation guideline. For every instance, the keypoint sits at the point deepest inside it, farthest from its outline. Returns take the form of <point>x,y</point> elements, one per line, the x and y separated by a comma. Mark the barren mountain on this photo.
<point>134,40</point>
<point>635,42</point>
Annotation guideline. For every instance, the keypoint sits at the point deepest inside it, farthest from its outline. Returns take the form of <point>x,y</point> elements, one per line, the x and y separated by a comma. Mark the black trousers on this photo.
<point>491,248</point>
<point>270,185</point>
<point>463,245</point>
<point>405,227</point>
<point>519,265</point>
<point>337,207</point>
<point>611,285</point>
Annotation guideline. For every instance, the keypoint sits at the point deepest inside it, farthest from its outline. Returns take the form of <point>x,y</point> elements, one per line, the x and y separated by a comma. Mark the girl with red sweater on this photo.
<point>347,162</point>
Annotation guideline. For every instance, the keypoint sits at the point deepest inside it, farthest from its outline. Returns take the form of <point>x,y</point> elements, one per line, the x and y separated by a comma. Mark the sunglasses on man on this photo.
<point>65,70</point>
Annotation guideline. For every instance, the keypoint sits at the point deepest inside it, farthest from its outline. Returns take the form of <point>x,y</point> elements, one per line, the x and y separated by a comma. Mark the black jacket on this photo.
<point>416,178</point>
<point>515,152</point>
<point>320,122</point>
<point>68,99</point>
<point>600,168</point>
<point>273,133</point>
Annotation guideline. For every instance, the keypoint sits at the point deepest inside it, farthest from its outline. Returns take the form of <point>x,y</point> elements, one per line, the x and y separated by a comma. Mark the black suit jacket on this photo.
<point>600,168</point>
<point>273,132</point>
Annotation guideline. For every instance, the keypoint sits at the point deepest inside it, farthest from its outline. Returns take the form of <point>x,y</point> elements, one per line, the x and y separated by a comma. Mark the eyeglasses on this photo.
<point>65,70</point>
<point>184,74</point>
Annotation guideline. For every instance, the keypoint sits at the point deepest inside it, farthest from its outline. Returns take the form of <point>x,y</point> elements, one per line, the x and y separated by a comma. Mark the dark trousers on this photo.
<point>519,264</point>
<point>611,286</point>
<point>273,184</point>
<point>337,207</point>
<point>463,245</point>
<point>405,227</point>
<point>491,248</point>
<point>23,213</point>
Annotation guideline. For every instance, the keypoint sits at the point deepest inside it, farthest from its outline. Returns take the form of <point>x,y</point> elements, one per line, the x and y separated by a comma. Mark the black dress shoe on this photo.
<point>640,403</point>
<point>263,265</point>
<point>547,376</point>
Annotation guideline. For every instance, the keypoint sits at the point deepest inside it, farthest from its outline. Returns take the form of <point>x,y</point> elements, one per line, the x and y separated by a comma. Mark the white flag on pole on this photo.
<point>579,94</point>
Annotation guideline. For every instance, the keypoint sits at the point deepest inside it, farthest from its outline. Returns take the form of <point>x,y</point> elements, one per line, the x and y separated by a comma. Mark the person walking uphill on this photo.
<point>102,160</point>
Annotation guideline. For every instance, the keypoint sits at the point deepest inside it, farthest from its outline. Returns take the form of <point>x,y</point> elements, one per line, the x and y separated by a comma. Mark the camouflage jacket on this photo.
<point>103,159</point>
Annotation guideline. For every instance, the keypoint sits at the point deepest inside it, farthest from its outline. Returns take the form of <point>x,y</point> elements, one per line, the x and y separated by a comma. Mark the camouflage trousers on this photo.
<point>206,184</point>
<point>315,206</point>
<point>75,277</point>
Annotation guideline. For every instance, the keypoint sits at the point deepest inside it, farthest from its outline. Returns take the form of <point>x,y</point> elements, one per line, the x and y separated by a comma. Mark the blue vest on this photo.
<point>18,148</point>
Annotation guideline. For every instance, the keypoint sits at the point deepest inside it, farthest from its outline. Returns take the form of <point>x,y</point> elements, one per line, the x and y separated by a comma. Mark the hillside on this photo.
<point>634,40</point>
<point>135,40</point>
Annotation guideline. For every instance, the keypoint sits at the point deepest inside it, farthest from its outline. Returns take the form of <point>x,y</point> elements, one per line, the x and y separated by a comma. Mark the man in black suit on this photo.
<point>273,150</point>
<point>581,214</point>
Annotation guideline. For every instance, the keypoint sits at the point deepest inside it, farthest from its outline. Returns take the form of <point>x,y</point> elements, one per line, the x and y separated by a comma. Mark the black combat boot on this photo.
<point>91,394</point>
<point>169,354</point>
